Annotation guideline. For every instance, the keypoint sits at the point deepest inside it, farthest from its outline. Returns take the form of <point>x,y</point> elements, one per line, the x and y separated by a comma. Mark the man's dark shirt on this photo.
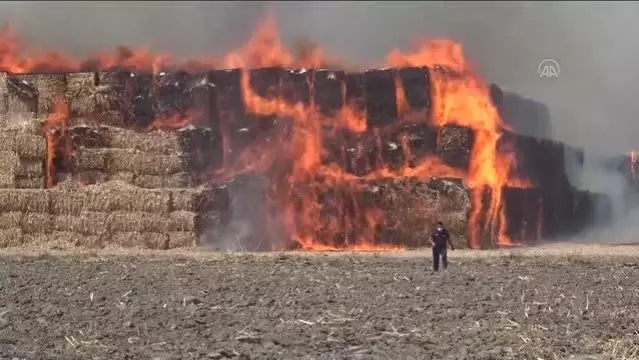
<point>440,238</point>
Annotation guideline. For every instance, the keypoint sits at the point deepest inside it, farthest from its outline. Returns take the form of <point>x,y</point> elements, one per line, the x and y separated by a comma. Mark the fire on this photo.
<point>55,130</point>
<point>317,200</point>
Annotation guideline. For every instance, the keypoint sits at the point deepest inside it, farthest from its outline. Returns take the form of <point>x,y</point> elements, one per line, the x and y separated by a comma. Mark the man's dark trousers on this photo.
<point>437,252</point>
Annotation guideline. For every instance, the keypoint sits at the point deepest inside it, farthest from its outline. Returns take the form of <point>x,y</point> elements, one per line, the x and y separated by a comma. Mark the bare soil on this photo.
<point>534,304</point>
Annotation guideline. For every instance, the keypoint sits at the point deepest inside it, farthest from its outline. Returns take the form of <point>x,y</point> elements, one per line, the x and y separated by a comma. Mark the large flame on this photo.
<point>459,95</point>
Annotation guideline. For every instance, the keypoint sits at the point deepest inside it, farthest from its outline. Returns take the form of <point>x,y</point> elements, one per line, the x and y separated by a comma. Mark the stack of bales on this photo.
<point>101,215</point>
<point>141,186</point>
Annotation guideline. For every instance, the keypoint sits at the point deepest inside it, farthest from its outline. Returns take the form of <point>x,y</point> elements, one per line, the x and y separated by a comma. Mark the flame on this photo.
<point>55,130</point>
<point>317,200</point>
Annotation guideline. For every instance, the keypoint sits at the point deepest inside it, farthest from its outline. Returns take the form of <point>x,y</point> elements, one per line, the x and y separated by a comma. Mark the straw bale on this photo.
<point>90,177</point>
<point>179,180</point>
<point>126,177</point>
<point>36,223</point>
<point>22,98</point>
<point>25,145</point>
<point>147,240</point>
<point>3,98</point>
<point>68,201</point>
<point>30,183</point>
<point>123,197</point>
<point>51,87</point>
<point>137,222</point>
<point>10,220</point>
<point>157,142</point>
<point>9,160</point>
<point>11,237</point>
<point>90,159</point>
<point>199,199</point>
<point>63,240</point>
<point>29,168</point>
<point>6,181</point>
<point>80,94</point>
<point>25,200</point>
<point>142,163</point>
<point>455,138</point>
<point>182,221</point>
<point>86,223</point>
<point>181,239</point>
<point>111,98</point>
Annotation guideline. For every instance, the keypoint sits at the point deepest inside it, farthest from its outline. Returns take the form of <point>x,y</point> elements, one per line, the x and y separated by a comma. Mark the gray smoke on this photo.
<point>592,104</point>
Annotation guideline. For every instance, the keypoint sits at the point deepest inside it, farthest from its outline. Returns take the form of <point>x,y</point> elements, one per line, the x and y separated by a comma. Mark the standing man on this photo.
<point>440,239</point>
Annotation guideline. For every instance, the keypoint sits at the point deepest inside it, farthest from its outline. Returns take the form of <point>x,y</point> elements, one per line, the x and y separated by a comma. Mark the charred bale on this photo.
<point>526,116</point>
<point>296,85</point>
<point>141,99</point>
<point>328,91</point>
<point>355,92</point>
<point>22,98</point>
<point>381,106</point>
<point>169,94</point>
<point>233,119</point>
<point>415,82</point>
<point>524,214</point>
<point>454,145</point>
<point>200,94</point>
<point>113,106</point>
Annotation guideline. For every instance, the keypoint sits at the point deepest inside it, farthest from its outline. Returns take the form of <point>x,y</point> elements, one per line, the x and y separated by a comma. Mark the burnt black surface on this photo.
<point>296,85</point>
<point>416,84</point>
<point>328,90</point>
<point>381,105</point>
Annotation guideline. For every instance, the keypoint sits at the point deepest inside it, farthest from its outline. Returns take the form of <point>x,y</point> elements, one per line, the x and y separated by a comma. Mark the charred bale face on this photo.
<point>328,91</point>
<point>381,106</point>
<point>296,85</point>
<point>415,82</point>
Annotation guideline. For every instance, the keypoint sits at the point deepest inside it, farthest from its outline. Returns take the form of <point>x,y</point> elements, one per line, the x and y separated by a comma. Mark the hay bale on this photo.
<point>80,94</point>
<point>86,223</point>
<point>454,144</point>
<point>36,223</point>
<point>30,183</point>
<point>137,222</point>
<point>68,201</point>
<point>182,221</point>
<point>160,142</point>
<point>22,98</point>
<point>142,163</point>
<point>156,241</point>
<point>26,200</point>
<point>182,240</point>
<point>9,160</point>
<point>179,180</point>
<point>30,146</point>
<point>126,177</point>
<point>11,237</point>
<point>7,181</point>
<point>51,87</point>
<point>111,197</point>
<point>25,145</point>
<point>10,220</point>
<point>111,101</point>
<point>63,240</point>
<point>30,168</point>
<point>90,159</point>
<point>3,98</point>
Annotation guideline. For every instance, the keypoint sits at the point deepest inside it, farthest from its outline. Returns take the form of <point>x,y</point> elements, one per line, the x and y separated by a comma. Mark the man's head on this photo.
<point>440,225</point>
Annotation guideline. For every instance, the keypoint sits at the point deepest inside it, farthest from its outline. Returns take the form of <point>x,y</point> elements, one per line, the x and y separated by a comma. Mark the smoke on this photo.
<point>592,104</point>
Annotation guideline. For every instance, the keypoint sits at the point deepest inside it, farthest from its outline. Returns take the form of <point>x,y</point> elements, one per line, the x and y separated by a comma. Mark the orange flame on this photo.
<point>459,95</point>
<point>55,129</point>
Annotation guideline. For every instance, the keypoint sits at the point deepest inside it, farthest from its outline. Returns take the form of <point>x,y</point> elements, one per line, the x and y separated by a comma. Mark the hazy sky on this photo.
<point>593,102</point>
